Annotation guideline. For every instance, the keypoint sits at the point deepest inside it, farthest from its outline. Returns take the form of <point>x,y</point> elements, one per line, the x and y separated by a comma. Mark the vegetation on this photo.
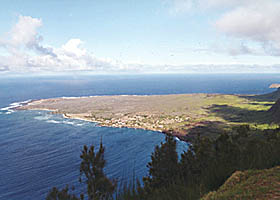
<point>251,184</point>
<point>203,168</point>
<point>91,170</point>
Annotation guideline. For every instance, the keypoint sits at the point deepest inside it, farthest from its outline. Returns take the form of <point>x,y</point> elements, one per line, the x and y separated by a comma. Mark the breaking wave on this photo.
<point>11,108</point>
<point>58,119</point>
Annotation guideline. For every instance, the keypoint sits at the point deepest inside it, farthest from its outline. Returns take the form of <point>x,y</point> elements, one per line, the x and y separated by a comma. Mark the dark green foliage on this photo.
<point>203,168</point>
<point>99,187</point>
<point>91,168</point>
<point>208,163</point>
<point>131,191</point>
<point>56,194</point>
<point>163,168</point>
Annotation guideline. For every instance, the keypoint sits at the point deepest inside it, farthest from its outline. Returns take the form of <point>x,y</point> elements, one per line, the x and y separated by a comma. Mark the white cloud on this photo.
<point>25,31</point>
<point>23,45</point>
<point>74,47</point>
<point>24,52</point>
<point>24,35</point>
<point>235,49</point>
<point>258,22</point>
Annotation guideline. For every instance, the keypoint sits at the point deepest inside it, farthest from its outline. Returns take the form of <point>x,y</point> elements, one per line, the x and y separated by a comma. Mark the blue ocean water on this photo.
<point>39,150</point>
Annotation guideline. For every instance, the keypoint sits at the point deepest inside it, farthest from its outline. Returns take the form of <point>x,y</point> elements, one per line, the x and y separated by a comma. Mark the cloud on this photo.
<point>4,68</point>
<point>25,31</point>
<point>233,49</point>
<point>74,47</point>
<point>241,50</point>
<point>24,35</point>
<point>25,52</point>
<point>259,22</point>
<point>256,21</point>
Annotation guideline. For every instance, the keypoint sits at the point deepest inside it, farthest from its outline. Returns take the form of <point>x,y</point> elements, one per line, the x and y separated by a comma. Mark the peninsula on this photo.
<point>183,115</point>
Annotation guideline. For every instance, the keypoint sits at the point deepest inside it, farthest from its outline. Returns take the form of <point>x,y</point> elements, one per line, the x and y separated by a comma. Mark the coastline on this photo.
<point>178,137</point>
<point>32,105</point>
<point>182,115</point>
<point>99,123</point>
<point>138,119</point>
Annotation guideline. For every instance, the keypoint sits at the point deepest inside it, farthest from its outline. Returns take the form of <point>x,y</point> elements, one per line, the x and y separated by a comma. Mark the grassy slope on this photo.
<point>251,184</point>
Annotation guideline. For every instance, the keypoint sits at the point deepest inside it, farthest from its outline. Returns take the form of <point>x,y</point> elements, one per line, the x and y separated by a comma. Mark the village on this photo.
<point>141,121</point>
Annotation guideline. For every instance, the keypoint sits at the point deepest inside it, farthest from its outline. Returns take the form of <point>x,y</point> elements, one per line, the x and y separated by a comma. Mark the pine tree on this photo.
<point>99,187</point>
<point>91,168</point>
<point>163,169</point>
<point>63,194</point>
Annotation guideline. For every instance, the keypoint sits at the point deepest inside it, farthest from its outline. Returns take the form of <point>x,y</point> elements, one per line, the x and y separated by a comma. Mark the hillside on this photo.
<point>274,112</point>
<point>251,184</point>
<point>273,96</point>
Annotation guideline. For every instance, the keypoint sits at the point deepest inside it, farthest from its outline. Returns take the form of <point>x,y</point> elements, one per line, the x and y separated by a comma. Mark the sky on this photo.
<point>132,36</point>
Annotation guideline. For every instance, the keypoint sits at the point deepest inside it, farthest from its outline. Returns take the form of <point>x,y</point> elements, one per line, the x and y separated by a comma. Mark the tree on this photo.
<point>91,168</point>
<point>56,194</point>
<point>163,169</point>
<point>99,187</point>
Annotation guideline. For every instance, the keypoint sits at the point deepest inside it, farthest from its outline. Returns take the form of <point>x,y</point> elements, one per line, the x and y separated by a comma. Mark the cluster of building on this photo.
<point>149,122</point>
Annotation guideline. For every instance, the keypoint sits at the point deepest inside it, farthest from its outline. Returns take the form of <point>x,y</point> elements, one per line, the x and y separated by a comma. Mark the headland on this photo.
<point>182,115</point>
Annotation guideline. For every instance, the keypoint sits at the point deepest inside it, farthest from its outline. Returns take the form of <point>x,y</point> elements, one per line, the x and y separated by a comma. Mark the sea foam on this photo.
<point>10,109</point>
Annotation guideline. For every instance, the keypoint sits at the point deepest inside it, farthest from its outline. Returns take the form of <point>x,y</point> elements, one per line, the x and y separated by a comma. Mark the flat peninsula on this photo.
<point>182,115</point>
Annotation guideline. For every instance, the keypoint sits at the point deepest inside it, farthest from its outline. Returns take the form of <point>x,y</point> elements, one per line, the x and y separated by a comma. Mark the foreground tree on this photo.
<point>63,194</point>
<point>163,169</point>
<point>91,168</point>
<point>204,167</point>
<point>99,187</point>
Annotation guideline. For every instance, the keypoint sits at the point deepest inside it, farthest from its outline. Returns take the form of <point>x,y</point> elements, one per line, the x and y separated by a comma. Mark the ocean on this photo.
<point>39,150</point>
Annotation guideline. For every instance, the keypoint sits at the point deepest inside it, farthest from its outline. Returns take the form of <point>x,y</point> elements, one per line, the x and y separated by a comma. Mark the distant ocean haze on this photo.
<point>39,150</point>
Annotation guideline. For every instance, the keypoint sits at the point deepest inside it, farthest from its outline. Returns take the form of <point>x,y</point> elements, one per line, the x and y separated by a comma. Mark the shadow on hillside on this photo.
<point>211,129</point>
<point>262,104</point>
<point>240,115</point>
<point>272,97</point>
<point>208,128</point>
